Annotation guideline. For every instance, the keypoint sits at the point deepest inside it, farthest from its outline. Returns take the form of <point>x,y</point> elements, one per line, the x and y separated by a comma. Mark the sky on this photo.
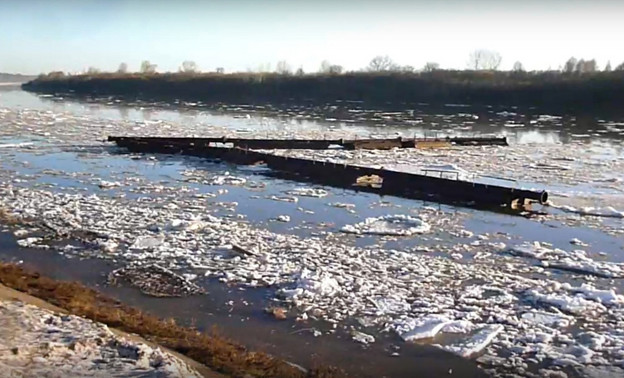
<point>240,35</point>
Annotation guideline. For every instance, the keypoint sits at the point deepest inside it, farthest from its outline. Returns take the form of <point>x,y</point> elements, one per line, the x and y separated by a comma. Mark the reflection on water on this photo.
<point>420,120</point>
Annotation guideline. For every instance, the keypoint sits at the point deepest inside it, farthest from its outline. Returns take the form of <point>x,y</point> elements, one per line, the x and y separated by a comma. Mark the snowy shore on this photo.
<point>40,342</point>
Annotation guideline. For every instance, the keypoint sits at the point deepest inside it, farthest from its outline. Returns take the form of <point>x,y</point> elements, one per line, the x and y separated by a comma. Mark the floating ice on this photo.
<point>425,327</point>
<point>395,225</point>
<point>309,192</point>
<point>362,337</point>
<point>575,305</point>
<point>29,242</point>
<point>601,269</point>
<point>477,342</point>
<point>606,297</point>
<point>388,305</point>
<point>283,218</point>
<point>315,284</point>
<point>547,318</point>
<point>458,326</point>
<point>147,242</point>
<point>109,184</point>
<point>573,261</point>
<point>608,211</point>
<point>578,242</point>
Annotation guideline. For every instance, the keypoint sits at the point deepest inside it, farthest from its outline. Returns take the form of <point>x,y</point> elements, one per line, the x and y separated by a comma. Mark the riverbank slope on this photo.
<point>202,353</point>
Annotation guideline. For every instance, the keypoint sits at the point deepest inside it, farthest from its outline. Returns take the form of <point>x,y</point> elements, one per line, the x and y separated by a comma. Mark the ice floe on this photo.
<point>398,225</point>
<point>421,328</point>
<point>574,261</point>
<point>477,342</point>
<point>309,192</point>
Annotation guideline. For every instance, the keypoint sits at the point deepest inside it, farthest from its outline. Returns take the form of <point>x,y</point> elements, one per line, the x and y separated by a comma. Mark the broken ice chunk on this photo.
<point>477,342</point>
<point>423,328</point>
<point>362,337</point>
<point>147,242</point>
<point>394,225</point>
<point>574,305</point>
<point>309,192</point>
<point>547,318</point>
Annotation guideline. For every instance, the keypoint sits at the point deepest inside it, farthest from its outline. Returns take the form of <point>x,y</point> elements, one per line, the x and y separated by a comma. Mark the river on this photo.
<point>538,289</point>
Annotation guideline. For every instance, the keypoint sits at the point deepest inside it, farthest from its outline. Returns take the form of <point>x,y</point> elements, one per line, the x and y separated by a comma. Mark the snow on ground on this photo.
<point>35,342</point>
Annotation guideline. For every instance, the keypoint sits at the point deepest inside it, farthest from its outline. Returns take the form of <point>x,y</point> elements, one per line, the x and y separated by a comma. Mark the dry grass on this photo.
<point>214,351</point>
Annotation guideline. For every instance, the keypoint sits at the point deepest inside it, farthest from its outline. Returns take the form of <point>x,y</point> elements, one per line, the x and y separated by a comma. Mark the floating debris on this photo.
<point>155,280</point>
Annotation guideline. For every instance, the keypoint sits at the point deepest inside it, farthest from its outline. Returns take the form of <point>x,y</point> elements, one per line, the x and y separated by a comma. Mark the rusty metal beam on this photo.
<point>321,144</point>
<point>402,184</point>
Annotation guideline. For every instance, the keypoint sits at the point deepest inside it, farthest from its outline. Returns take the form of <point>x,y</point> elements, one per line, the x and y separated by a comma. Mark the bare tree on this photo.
<point>335,69</point>
<point>300,71</point>
<point>484,60</point>
<point>93,70</point>
<point>518,67</point>
<point>330,69</point>
<point>620,67</point>
<point>264,68</point>
<point>325,66</point>
<point>123,68</point>
<point>570,65</point>
<point>188,66</point>
<point>590,66</point>
<point>431,66</point>
<point>586,66</point>
<point>55,74</point>
<point>220,70</point>
<point>147,67</point>
<point>283,68</point>
<point>381,63</point>
<point>608,67</point>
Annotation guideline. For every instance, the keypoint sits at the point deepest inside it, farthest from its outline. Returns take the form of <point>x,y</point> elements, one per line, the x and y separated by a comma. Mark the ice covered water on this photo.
<point>505,287</point>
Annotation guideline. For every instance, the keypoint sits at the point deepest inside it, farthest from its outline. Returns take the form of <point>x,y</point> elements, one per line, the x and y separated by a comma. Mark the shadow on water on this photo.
<point>237,314</point>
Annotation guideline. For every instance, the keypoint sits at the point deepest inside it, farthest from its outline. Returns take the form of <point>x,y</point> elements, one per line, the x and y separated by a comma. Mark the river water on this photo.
<point>538,289</point>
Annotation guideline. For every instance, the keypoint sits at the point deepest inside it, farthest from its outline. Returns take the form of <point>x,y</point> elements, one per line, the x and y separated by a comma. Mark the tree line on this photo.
<point>577,85</point>
<point>478,60</point>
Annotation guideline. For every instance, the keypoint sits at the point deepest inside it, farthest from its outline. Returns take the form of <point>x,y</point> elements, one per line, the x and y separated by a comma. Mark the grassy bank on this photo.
<point>552,89</point>
<point>212,350</point>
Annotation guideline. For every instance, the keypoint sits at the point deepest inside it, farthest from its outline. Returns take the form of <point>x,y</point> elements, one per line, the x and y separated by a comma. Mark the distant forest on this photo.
<point>578,86</point>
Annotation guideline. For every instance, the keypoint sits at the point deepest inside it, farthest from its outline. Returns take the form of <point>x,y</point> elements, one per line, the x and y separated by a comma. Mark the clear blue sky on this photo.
<point>71,35</point>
